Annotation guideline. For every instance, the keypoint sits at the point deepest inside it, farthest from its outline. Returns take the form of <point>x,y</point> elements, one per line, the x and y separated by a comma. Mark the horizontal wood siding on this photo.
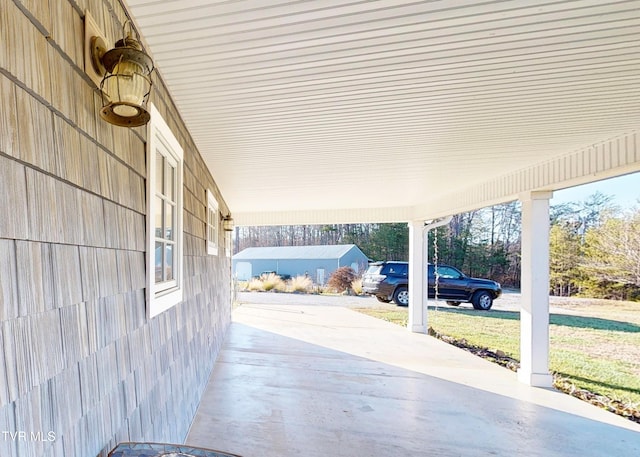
<point>78,357</point>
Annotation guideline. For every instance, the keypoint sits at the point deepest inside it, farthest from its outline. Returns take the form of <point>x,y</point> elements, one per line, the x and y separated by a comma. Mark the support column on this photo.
<point>417,310</point>
<point>534,312</point>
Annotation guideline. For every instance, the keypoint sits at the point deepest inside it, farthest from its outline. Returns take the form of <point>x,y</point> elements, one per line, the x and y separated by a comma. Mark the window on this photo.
<point>213,224</point>
<point>399,269</point>
<point>445,272</point>
<point>164,221</point>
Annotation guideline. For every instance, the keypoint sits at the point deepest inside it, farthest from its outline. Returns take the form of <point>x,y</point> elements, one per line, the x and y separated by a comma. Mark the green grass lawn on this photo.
<point>597,347</point>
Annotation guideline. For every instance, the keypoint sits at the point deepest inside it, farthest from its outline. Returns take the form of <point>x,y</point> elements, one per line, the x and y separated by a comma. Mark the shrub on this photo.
<point>341,279</point>
<point>356,286</point>
<point>254,284</point>
<point>301,284</point>
<point>272,282</point>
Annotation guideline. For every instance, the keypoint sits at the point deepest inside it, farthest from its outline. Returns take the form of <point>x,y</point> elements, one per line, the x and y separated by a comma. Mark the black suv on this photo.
<point>388,281</point>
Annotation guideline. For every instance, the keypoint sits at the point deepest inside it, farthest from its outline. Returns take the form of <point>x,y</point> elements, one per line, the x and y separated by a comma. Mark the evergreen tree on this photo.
<point>565,256</point>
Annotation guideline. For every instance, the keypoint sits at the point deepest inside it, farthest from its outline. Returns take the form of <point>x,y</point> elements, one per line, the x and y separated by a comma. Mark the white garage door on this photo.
<point>243,271</point>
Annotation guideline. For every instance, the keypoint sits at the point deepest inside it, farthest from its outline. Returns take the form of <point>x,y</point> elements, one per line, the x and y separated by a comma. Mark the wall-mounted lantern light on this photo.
<point>227,224</point>
<point>126,79</point>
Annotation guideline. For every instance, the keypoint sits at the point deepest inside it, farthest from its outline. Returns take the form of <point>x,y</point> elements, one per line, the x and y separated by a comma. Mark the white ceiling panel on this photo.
<point>302,106</point>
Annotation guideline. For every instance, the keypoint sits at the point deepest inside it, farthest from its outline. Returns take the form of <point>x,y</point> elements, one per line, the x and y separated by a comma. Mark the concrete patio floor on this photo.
<point>303,380</point>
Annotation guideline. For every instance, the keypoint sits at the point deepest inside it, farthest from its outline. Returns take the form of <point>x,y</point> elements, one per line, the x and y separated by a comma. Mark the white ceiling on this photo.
<point>358,106</point>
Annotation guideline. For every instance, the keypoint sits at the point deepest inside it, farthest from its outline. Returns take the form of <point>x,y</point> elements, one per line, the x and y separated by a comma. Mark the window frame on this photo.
<point>162,296</point>
<point>213,242</point>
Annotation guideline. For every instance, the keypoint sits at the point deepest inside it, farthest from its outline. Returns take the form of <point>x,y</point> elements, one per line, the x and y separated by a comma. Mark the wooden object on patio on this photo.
<point>164,450</point>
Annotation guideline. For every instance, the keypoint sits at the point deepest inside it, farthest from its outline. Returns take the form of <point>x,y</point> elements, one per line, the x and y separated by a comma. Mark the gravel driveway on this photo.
<point>509,301</point>
<point>275,298</point>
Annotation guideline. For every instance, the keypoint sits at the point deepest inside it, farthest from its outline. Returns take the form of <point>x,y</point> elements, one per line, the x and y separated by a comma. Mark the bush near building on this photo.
<point>341,279</point>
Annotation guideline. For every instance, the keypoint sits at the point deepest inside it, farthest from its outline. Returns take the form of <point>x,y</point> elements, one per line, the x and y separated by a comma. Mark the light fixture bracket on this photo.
<point>98,49</point>
<point>95,45</point>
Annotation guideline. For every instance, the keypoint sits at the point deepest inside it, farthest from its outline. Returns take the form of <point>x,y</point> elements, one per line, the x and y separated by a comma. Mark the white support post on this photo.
<point>534,312</point>
<point>417,310</point>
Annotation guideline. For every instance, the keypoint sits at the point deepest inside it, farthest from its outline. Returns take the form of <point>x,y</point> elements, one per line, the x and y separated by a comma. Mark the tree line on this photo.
<point>594,246</point>
<point>377,241</point>
<point>595,250</point>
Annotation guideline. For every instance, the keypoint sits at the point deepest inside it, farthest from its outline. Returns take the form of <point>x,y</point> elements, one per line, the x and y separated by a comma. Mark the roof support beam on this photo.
<point>607,159</point>
<point>417,309</point>
<point>325,216</point>
<point>418,260</point>
<point>534,312</point>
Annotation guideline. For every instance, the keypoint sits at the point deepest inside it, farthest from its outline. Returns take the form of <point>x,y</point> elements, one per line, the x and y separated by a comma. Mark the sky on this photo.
<point>624,189</point>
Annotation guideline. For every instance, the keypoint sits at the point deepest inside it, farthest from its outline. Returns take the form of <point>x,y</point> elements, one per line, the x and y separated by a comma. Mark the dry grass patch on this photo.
<point>272,281</point>
<point>301,284</point>
<point>356,286</point>
<point>254,285</point>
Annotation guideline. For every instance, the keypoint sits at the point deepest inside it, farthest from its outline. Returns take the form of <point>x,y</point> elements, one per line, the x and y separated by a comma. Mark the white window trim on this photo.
<point>212,205</point>
<point>161,298</point>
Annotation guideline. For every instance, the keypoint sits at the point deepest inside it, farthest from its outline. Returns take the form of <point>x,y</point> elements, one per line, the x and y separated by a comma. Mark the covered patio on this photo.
<point>116,281</point>
<point>399,111</point>
<point>326,380</point>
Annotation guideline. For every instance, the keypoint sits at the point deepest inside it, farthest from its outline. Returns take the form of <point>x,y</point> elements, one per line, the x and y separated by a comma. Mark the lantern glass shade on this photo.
<point>227,224</point>
<point>126,84</point>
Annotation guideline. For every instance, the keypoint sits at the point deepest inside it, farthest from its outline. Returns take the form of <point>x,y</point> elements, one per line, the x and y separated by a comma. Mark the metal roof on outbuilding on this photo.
<point>296,252</point>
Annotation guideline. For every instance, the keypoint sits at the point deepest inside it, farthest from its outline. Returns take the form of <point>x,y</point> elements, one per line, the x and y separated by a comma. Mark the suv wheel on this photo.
<point>401,296</point>
<point>482,300</point>
<point>383,299</point>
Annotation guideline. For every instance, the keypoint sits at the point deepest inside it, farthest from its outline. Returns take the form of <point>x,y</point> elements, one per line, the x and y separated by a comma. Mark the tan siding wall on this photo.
<point>78,356</point>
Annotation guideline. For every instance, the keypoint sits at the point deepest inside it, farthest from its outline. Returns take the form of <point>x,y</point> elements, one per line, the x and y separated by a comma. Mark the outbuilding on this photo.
<point>318,262</point>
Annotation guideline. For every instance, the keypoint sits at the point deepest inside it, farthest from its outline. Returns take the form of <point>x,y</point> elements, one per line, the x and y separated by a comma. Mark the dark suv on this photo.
<point>388,281</point>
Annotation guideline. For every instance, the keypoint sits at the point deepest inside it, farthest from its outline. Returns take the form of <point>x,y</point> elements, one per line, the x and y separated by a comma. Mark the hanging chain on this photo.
<point>435,265</point>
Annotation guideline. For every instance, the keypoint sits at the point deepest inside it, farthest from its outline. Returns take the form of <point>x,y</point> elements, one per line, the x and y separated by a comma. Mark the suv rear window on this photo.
<point>395,269</point>
<point>373,270</point>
